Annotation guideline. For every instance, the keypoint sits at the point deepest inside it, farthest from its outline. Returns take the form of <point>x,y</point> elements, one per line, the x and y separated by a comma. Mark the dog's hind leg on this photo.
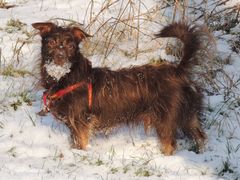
<point>167,140</point>
<point>147,123</point>
<point>166,132</point>
<point>194,130</point>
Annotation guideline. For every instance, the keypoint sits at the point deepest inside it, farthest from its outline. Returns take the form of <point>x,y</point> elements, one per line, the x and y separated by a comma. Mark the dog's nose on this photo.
<point>60,57</point>
<point>60,54</point>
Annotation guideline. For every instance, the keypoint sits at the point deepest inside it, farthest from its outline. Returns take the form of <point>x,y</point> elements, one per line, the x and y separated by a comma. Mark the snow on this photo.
<point>33,147</point>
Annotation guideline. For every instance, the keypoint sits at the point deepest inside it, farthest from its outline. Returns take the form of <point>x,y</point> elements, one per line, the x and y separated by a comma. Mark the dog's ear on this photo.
<point>79,34</point>
<point>44,27</point>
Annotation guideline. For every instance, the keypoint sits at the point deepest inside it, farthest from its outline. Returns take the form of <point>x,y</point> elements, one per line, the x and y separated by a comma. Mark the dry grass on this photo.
<point>128,22</point>
<point>5,5</point>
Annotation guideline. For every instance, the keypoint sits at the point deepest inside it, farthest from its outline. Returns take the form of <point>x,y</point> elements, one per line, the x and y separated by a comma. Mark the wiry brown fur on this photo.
<point>163,97</point>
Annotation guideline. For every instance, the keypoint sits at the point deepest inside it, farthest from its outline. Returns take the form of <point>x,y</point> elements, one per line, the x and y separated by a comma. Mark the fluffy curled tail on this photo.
<point>190,36</point>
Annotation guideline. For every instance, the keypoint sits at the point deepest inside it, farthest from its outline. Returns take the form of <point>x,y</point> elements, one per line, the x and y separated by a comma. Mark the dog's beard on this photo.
<point>57,71</point>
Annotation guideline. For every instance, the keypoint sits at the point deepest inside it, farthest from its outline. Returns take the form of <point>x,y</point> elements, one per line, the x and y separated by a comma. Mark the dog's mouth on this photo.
<point>57,71</point>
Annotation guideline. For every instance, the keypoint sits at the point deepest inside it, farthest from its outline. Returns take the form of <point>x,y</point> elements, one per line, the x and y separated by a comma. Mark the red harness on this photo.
<point>65,91</point>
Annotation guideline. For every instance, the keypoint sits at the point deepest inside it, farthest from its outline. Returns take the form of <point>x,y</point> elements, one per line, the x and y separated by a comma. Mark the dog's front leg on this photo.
<point>80,139</point>
<point>80,136</point>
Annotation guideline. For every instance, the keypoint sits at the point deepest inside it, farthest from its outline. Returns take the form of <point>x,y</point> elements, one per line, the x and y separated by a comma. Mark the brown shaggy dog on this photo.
<point>163,97</point>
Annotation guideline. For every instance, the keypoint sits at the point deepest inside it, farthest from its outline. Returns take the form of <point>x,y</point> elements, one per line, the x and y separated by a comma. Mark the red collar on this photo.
<point>67,90</point>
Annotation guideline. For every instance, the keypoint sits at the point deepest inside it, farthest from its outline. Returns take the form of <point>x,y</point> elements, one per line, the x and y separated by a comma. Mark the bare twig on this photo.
<point>138,30</point>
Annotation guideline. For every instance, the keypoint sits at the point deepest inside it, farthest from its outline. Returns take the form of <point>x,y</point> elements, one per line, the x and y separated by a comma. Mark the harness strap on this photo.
<point>65,91</point>
<point>90,97</point>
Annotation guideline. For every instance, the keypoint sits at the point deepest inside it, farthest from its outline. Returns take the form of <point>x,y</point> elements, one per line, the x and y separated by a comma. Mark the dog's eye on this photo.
<point>51,42</point>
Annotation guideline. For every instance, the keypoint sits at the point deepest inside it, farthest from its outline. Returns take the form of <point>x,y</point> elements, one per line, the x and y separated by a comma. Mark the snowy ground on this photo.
<point>33,147</point>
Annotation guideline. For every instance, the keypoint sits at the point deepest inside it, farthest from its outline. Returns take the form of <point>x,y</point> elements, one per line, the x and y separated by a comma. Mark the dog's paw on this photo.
<point>79,146</point>
<point>88,146</point>
<point>75,146</point>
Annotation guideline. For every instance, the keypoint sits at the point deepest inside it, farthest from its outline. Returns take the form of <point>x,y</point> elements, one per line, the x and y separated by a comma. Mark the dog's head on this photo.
<point>59,46</point>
